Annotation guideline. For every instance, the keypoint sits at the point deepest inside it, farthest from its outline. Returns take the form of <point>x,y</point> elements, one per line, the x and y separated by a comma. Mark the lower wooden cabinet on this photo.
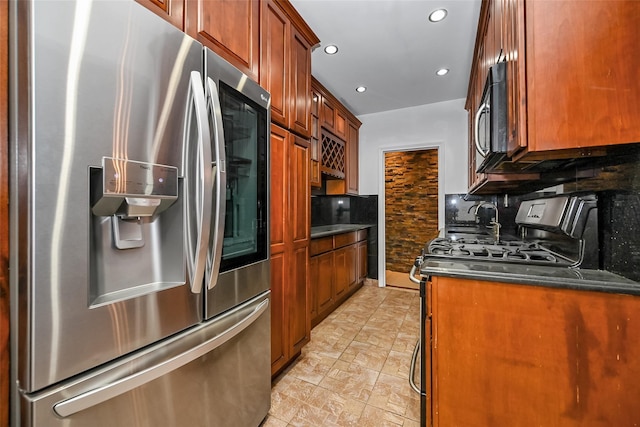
<point>517,355</point>
<point>336,271</point>
<point>290,236</point>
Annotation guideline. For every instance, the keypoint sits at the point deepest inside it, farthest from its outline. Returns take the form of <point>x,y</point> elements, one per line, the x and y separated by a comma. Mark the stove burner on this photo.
<point>478,249</point>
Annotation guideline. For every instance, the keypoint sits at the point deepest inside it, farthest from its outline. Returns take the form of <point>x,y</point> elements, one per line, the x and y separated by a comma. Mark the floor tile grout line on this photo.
<point>401,413</point>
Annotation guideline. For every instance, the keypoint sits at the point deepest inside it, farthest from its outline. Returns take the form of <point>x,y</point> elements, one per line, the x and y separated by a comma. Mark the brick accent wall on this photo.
<point>411,205</point>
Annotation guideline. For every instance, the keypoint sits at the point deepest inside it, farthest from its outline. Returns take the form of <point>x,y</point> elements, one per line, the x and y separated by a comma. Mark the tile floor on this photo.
<point>355,370</point>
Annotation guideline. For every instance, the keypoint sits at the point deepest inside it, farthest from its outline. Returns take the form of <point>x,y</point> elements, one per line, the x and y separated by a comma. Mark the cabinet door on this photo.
<point>299,224</point>
<point>351,172</point>
<point>279,275</point>
<point>316,179</point>
<point>299,329</point>
<point>340,124</point>
<point>323,282</point>
<point>522,355</point>
<point>279,186</point>
<point>341,272</point>
<point>362,261</point>
<point>274,75</point>
<point>352,265</point>
<point>314,274</point>
<point>171,10</point>
<point>582,67</point>
<point>280,271</point>
<point>300,71</point>
<point>327,114</point>
<point>300,191</point>
<point>228,27</point>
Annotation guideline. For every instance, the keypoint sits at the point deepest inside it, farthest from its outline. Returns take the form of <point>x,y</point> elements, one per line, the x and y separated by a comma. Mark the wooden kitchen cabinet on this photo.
<point>290,237</point>
<point>345,269</point>
<point>338,136</point>
<point>571,85</point>
<point>352,149</point>
<point>336,271</point>
<point>362,261</point>
<point>285,70</point>
<point>231,28</point>
<point>518,355</point>
<point>170,10</point>
<point>321,283</point>
<point>581,75</point>
<point>316,180</point>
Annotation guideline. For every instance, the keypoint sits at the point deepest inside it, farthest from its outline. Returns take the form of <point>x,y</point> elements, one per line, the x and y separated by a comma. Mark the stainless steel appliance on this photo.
<point>490,121</point>
<point>555,231</point>
<point>133,146</point>
<point>558,232</point>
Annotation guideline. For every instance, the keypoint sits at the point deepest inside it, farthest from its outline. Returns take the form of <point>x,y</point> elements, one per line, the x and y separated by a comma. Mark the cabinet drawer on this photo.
<point>362,235</point>
<point>318,246</point>
<point>345,239</point>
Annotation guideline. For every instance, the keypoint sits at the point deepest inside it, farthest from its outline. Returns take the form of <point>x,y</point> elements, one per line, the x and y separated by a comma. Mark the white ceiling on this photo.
<point>390,47</point>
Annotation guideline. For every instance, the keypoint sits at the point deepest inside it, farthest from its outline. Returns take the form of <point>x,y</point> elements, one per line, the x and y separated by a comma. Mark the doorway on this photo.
<point>411,209</point>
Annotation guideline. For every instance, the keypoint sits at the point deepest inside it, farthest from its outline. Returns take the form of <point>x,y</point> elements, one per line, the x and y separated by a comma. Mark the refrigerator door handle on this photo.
<point>198,184</point>
<point>99,395</point>
<point>217,234</point>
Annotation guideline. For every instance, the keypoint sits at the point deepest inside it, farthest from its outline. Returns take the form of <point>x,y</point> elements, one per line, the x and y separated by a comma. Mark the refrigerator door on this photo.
<point>240,111</point>
<point>215,374</point>
<point>102,100</point>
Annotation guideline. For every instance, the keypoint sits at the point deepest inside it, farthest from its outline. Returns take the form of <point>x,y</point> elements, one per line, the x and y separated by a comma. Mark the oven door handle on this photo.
<point>414,267</point>
<point>412,275</point>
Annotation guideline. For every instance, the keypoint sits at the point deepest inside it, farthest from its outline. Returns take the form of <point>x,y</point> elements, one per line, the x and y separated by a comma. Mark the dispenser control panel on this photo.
<point>131,178</point>
<point>128,188</point>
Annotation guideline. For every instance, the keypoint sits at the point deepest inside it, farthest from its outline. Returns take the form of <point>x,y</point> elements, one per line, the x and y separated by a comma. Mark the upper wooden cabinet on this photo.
<point>572,86</point>
<point>582,75</point>
<point>171,10</point>
<point>338,136</point>
<point>285,69</point>
<point>316,180</point>
<point>352,171</point>
<point>231,28</point>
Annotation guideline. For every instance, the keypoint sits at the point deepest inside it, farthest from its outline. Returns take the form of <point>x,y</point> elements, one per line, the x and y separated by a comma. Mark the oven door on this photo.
<point>490,124</point>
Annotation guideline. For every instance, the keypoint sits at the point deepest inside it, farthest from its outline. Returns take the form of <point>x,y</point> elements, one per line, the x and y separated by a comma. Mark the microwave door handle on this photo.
<point>217,234</point>
<point>476,129</point>
<point>200,181</point>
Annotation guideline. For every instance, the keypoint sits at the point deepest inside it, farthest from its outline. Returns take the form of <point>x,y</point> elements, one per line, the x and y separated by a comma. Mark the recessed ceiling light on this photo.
<point>442,71</point>
<point>361,89</point>
<point>438,15</point>
<point>331,49</point>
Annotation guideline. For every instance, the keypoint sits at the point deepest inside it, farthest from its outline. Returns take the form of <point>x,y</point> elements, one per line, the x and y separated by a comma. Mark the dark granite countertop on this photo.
<point>511,272</point>
<point>330,230</point>
<point>557,277</point>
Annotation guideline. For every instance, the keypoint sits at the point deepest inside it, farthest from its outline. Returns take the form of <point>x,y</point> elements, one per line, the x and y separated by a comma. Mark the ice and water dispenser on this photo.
<point>136,229</point>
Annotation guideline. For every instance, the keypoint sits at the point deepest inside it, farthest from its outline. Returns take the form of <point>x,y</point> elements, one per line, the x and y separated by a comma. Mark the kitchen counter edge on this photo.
<point>330,230</point>
<point>556,277</point>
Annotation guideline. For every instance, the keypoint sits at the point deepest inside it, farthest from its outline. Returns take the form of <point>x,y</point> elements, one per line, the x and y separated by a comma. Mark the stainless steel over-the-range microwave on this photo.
<point>490,124</point>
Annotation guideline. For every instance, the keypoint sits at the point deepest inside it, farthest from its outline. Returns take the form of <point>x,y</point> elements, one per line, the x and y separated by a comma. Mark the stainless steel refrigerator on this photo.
<point>139,229</point>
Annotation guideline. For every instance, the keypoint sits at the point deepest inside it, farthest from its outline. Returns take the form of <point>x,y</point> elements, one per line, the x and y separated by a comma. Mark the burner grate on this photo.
<point>511,251</point>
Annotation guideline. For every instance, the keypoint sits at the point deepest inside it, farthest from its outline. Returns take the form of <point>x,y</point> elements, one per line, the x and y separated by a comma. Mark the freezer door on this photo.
<point>104,104</point>
<point>216,374</point>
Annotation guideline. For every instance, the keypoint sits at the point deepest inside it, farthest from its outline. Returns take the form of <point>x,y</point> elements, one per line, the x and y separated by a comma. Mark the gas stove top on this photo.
<point>524,252</point>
